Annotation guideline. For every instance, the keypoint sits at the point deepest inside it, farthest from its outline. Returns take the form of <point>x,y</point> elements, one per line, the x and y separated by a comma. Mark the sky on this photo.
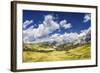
<point>48,25</point>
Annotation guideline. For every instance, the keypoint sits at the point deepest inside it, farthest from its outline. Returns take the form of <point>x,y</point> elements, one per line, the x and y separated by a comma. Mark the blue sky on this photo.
<point>76,22</point>
<point>76,19</point>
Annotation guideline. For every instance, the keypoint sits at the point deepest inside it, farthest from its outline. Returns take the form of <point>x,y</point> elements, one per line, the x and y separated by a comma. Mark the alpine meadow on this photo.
<point>56,36</point>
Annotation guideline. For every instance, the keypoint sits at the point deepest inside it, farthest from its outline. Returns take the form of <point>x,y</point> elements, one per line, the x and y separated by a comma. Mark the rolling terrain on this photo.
<point>41,52</point>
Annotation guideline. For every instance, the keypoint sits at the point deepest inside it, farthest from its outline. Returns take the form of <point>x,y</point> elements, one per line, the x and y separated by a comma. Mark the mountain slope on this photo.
<point>78,53</point>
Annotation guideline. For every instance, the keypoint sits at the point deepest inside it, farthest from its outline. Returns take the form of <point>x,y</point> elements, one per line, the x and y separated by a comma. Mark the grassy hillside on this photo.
<point>41,52</point>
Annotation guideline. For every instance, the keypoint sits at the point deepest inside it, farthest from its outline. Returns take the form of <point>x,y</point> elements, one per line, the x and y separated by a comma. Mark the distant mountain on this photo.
<point>81,39</point>
<point>86,38</point>
<point>63,43</point>
<point>67,38</point>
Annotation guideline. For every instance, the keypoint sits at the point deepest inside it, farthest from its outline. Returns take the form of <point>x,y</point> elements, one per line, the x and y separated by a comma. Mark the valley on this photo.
<point>41,52</point>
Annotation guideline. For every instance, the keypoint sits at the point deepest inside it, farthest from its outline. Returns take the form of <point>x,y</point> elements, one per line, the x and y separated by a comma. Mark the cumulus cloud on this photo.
<point>49,24</point>
<point>41,34</point>
<point>27,34</point>
<point>47,27</point>
<point>87,17</point>
<point>71,37</point>
<point>84,32</point>
<point>65,25</point>
<point>59,38</point>
<point>26,23</point>
<point>84,36</point>
<point>64,38</point>
<point>33,33</point>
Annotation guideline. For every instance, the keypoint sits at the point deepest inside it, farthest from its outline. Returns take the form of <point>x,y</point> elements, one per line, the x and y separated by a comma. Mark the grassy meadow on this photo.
<point>40,53</point>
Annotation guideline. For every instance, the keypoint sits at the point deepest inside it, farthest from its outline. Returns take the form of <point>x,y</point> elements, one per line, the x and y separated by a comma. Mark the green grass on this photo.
<point>36,53</point>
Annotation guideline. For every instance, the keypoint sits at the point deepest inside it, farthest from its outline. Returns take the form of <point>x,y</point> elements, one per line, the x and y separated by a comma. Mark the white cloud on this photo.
<point>64,38</point>
<point>83,35</point>
<point>87,17</point>
<point>84,32</point>
<point>72,37</point>
<point>27,34</point>
<point>48,26</point>
<point>26,23</point>
<point>65,25</point>
<point>33,33</point>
